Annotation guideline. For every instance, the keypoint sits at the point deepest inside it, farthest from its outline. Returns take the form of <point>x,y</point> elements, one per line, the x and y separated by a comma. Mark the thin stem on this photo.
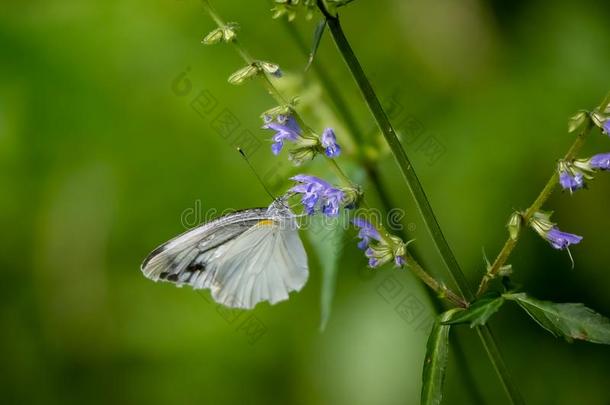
<point>498,363</point>
<point>372,172</point>
<point>544,195</point>
<point>418,193</point>
<point>431,282</point>
<point>420,272</point>
<point>399,153</point>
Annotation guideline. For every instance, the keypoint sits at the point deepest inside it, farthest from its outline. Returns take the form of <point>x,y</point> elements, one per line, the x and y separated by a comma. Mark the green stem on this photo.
<point>399,153</point>
<point>343,110</point>
<point>418,193</point>
<point>498,363</point>
<point>544,195</point>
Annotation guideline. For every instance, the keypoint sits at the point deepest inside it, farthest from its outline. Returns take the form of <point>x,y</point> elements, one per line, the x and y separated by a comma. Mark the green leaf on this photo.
<point>317,37</point>
<point>572,321</point>
<point>326,237</point>
<point>479,311</point>
<point>435,363</point>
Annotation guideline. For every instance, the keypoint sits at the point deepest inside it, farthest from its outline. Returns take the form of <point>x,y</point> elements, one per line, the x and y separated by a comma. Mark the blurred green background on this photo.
<point>103,158</point>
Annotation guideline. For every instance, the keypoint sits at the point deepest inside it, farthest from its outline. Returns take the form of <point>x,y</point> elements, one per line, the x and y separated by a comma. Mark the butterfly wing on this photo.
<point>266,263</point>
<point>183,259</point>
<point>243,258</point>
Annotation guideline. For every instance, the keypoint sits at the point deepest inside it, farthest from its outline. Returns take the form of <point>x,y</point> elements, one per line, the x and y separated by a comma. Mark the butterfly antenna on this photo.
<point>241,152</point>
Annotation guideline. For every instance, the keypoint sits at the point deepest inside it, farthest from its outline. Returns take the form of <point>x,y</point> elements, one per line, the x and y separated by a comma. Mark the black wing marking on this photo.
<point>184,259</point>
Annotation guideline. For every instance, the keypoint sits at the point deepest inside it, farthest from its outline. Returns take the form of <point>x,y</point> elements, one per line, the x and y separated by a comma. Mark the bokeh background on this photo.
<point>103,157</point>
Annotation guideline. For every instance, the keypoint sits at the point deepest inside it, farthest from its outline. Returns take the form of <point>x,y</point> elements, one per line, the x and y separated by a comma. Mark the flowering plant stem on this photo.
<point>544,195</point>
<point>440,289</point>
<point>418,193</point>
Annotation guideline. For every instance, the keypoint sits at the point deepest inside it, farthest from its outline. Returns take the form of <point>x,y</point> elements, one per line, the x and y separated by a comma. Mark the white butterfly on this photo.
<point>243,258</point>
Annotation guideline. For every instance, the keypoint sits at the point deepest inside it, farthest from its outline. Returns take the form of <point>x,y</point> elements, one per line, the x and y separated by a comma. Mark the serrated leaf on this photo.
<point>326,237</point>
<point>317,37</point>
<point>479,311</point>
<point>435,363</point>
<point>570,320</point>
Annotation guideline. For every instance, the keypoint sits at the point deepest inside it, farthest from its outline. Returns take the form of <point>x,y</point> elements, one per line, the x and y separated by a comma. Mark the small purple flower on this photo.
<point>561,240</point>
<point>366,233</point>
<point>286,129</point>
<point>329,143</point>
<point>399,261</point>
<point>370,254</point>
<point>600,161</point>
<point>317,193</point>
<point>606,127</point>
<point>571,182</point>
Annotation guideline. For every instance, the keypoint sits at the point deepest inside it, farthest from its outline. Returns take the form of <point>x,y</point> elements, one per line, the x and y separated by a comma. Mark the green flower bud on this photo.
<point>598,118</point>
<point>505,270</point>
<point>305,150</point>
<point>278,110</point>
<point>213,37</point>
<point>514,225</point>
<point>541,222</point>
<point>577,121</point>
<point>351,196</point>
<point>244,73</point>
<point>270,68</point>
<point>229,32</point>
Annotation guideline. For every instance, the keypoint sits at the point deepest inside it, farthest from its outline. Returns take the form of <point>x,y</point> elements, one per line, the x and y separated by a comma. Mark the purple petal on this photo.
<point>276,147</point>
<point>606,127</point>
<point>600,161</point>
<point>373,262</point>
<point>364,243</point>
<point>366,229</point>
<point>400,261</point>
<point>561,240</point>
<point>329,142</point>
<point>569,182</point>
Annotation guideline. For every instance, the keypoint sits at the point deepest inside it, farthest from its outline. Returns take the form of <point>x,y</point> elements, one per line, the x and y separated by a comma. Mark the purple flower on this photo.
<point>561,240</point>
<point>317,194</point>
<point>399,261</point>
<point>329,143</point>
<point>571,182</point>
<point>606,127</point>
<point>370,254</point>
<point>286,129</point>
<point>600,161</point>
<point>366,233</point>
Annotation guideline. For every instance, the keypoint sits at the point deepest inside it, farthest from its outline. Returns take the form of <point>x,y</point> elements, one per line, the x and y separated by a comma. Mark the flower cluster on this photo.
<point>319,196</point>
<point>572,175</point>
<point>307,144</point>
<point>289,8</point>
<point>377,249</point>
<point>226,33</point>
<point>542,224</point>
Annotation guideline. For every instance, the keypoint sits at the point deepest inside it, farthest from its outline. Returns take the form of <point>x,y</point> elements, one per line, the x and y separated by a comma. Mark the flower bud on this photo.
<point>229,32</point>
<point>598,118</point>
<point>270,68</point>
<point>302,154</point>
<point>213,37</point>
<point>244,73</point>
<point>577,121</point>
<point>351,196</point>
<point>514,225</point>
